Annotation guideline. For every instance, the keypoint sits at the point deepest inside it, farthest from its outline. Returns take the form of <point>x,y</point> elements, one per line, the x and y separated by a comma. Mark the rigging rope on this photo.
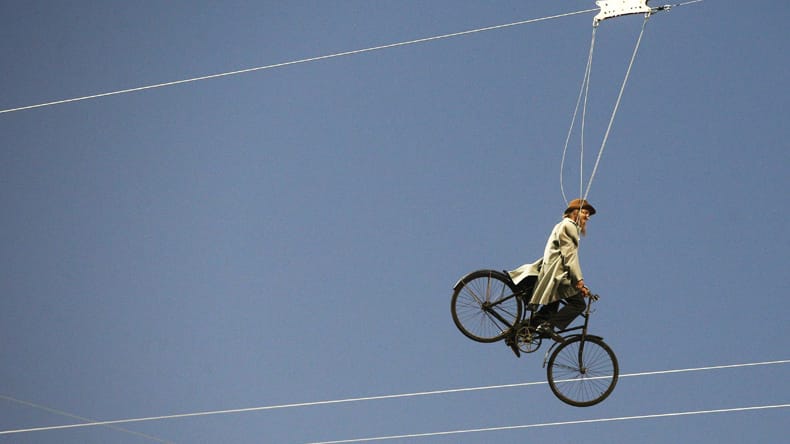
<point>584,90</point>
<point>294,62</point>
<point>561,423</point>
<point>82,418</point>
<point>370,398</point>
<point>313,59</point>
<point>584,93</point>
<point>616,106</point>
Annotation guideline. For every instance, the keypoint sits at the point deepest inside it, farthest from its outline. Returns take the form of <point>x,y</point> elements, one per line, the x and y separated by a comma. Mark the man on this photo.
<point>559,275</point>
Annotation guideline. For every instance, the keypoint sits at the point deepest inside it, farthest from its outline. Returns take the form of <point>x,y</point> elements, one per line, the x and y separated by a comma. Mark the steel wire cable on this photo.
<point>559,423</point>
<point>299,61</point>
<point>370,398</point>
<point>82,418</point>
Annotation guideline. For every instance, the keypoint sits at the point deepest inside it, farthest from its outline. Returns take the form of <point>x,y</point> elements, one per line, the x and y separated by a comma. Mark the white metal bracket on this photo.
<point>616,8</point>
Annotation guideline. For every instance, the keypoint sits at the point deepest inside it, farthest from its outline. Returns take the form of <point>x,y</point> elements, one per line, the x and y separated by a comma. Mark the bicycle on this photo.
<point>487,307</point>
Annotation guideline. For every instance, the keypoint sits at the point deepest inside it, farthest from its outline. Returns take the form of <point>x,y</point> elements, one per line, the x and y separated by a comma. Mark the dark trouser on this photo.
<point>561,318</point>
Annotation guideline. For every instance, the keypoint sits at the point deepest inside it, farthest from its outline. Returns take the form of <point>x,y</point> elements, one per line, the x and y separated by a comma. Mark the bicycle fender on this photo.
<point>568,338</point>
<point>459,283</point>
<point>468,275</point>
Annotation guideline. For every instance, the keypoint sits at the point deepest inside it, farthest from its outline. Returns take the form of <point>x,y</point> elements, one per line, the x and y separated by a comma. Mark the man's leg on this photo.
<point>546,313</point>
<point>574,306</point>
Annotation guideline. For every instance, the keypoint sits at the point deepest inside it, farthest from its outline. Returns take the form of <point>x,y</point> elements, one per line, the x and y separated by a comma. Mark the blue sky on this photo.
<point>292,235</point>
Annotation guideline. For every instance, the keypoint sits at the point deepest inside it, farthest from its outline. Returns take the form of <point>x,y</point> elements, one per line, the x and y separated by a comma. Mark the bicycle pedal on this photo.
<point>516,349</point>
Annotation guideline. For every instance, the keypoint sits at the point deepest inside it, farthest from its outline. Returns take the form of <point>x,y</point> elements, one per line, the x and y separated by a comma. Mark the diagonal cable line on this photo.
<point>81,418</point>
<point>559,423</point>
<point>295,62</point>
<point>369,398</point>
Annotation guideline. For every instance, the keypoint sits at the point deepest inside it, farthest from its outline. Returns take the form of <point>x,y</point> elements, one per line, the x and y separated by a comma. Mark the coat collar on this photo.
<point>575,224</point>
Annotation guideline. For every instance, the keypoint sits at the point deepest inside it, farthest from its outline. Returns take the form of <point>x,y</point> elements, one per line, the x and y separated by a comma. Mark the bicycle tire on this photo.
<point>485,306</point>
<point>588,383</point>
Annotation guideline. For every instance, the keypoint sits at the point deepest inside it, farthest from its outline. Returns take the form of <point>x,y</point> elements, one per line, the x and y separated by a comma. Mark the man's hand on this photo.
<point>583,288</point>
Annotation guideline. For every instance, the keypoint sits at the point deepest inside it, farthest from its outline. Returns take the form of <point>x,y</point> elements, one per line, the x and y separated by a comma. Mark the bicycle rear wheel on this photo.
<point>484,306</point>
<point>583,373</point>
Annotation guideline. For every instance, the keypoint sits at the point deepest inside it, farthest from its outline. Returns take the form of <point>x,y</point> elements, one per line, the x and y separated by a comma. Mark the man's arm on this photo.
<point>569,248</point>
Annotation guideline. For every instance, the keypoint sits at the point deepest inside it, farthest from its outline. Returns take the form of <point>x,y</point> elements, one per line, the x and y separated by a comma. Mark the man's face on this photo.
<point>582,218</point>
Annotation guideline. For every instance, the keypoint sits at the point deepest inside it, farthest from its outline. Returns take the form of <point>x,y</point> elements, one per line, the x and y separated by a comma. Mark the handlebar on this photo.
<point>588,293</point>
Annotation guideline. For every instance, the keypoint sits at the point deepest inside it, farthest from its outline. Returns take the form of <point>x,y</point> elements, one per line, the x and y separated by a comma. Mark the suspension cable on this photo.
<point>299,61</point>
<point>372,398</point>
<point>561,423</point>
<point>616,106</point>
<point>582,92</point>
<point>82,418</point>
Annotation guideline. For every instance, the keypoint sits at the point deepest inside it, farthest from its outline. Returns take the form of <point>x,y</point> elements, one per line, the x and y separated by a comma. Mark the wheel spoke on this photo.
<point>485,308</point>
<point>583,378</point>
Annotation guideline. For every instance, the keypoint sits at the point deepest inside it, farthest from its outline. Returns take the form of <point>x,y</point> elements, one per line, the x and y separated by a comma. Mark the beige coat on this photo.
<point>558,270</point>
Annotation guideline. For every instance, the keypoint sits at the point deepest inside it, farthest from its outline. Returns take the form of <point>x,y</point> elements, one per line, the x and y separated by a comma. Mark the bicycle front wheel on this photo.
<point>484,306</point>
<point>583,372</point>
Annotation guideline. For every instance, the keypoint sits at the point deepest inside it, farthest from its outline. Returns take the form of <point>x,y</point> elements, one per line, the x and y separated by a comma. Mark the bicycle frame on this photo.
<point>487,306</point>
<point>586,315</point>
<point>581,368</point>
